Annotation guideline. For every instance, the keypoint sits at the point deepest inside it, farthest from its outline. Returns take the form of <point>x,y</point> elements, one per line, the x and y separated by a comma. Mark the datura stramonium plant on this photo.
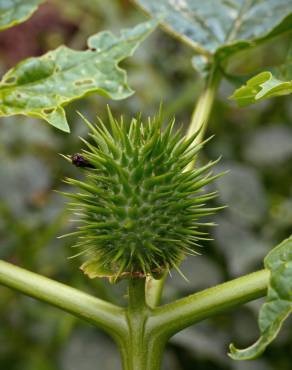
<point>140,203</point>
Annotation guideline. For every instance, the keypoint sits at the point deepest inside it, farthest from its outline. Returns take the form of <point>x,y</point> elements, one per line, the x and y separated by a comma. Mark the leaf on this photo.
<point>93,269</point>
<point>266,84</point>
<point>13,12</point>
<point>90,269</point>
<point>40,87</point>
<point>278,304</point>
<point>261,87</point>
<point>220,27</point>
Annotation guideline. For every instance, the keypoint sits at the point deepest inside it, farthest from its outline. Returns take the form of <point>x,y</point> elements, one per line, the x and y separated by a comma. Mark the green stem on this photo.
<point>137,300</point>
<point>139,331</point>
<point>134,352</point>
<point>204,105</point>
<point>140,349</point>
<point>105,315</point>
<point>154,290</point>
<point>173,317</point>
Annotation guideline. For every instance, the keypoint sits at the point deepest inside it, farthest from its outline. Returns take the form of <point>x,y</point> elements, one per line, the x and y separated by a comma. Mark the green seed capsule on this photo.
<point>138,204</point>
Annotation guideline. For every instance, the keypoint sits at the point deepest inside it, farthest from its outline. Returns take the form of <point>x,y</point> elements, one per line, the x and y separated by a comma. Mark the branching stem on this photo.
<point>107,316</point>
<point>175,316</point>
<point>139,330</point>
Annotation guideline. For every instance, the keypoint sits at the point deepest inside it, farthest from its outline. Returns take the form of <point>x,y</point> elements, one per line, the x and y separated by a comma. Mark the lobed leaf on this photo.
<point>219,27</point>
<point>278,305</point>
<point>13,12</point>
<point>266,84</point>
<point>260,87</point>
<point>40,87</point>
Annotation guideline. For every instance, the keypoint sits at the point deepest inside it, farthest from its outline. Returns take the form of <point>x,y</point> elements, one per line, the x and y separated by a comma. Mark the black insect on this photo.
<point>79,161</point>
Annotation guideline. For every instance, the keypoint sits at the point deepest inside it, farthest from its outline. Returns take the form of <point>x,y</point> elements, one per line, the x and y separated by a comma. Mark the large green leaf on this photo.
<point>40,87</point>
<point>278,304</point>
<point>221,27</point>
<point>13,12</point>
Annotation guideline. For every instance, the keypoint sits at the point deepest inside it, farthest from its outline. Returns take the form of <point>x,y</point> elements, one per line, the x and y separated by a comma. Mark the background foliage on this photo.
<point>256,144</point>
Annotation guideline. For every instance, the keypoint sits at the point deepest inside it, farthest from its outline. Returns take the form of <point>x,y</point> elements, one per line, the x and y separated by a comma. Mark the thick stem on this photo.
<point>173,317</point>
<point>143,356</point>
<point>140,351</point>
<point>140,332</point>
<point>137,300</point>
<point>134,352</point>
<point>105,315</point>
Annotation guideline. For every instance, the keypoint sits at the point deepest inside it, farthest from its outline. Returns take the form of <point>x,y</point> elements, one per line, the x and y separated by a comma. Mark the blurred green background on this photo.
<point>256,145</point>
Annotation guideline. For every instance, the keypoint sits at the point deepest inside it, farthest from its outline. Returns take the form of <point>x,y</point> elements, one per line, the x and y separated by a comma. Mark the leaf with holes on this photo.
<point>41,87</point>
<point>13,12</point>
<point>219,27</point>
<point>278,305</point>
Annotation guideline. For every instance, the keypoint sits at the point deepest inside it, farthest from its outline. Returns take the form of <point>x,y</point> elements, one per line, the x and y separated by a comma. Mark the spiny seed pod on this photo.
<point>139,206</point>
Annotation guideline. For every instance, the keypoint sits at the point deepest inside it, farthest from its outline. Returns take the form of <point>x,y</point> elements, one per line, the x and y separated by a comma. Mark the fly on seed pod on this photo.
<point>140,209</point>
<point>79,161</point>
